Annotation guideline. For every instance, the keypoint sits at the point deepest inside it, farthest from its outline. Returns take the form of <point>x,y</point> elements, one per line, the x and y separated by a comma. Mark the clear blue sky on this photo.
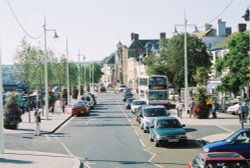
<point>95,26</point>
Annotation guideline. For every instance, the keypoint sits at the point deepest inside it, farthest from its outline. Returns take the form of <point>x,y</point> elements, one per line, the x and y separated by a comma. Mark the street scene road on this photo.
<point>111,137</point>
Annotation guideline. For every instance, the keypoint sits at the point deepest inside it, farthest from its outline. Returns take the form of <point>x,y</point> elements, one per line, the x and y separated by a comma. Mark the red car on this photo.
<point>79,109</point>
<point>219,160</point>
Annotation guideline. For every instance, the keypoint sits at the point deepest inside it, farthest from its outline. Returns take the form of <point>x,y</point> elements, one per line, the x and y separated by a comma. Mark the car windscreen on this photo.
<point>229,163</point>
<point>139,103</point>
<point>168,124</point>
<point>154,112</point>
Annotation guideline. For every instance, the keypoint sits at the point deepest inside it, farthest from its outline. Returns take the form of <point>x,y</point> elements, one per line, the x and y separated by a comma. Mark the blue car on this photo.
<point>128,103</point>
<point>238,142</point>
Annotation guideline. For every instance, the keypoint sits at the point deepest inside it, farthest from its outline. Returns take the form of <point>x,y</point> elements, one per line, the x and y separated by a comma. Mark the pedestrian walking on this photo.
<point>191,106</point>
<point>245,110</point>
<point>38,122</point>
<point>62,104</point>
<point>179,108</point>
<point>215,107</point>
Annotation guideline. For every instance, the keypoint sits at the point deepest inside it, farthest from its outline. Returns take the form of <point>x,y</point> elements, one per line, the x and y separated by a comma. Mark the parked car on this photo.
<point>121,88</point>
<point>136,103</point>
<point>234,109</point>
<point>128,103</point>
<point>127,95</point>
<point>138,113</point>
<point>219,160</point>
<point>167,130</point>
<point>89,98</point>
<point>86,103</point>
<point>238,142</point>
<point>102,89</point>
<point>149,113</point>
<point>93,97</point>
<point>126,90</point>
<point>79,109</point>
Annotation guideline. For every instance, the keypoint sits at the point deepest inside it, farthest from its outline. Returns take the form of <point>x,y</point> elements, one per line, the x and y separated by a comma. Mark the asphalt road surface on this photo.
<point>111,138</point>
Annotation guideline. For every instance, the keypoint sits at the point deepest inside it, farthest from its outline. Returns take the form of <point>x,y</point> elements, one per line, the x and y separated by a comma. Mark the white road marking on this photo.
<point>64,146</point>
<point>87,123</point>
<point>142,143</point>
<point>136,132</point>
<point>65,124</point>
<point>153,156</point>
<point>228,130</point>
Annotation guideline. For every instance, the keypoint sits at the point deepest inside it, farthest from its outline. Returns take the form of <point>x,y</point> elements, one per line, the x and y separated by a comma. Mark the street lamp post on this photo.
<point>79,75</point>
<point>186,61</point>
<point>93,77</point>
<point>67,69</point>
<point>1,107</point>
<point>46,67</point>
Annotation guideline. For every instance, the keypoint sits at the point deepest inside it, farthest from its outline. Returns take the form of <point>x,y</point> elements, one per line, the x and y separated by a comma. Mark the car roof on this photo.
<point>165,118</point>
<point>151,106</point>
<point>222,156</point>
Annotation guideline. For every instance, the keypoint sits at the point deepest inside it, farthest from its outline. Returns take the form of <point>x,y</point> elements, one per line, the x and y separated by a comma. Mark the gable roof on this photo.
<point>220,45</point>
<point>138,47</point>
<point>110,60</point>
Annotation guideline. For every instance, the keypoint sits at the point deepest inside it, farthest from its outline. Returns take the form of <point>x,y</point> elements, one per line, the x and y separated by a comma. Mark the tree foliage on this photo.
<point>29,68</point>
<point>235,65</point>
<point>171,59</point>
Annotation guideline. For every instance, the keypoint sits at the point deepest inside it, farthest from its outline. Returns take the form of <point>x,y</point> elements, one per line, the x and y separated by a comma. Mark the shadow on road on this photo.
<point>191,144</point>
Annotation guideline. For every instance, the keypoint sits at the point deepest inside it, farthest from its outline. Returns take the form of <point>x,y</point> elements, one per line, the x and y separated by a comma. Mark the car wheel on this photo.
<point>150,138</point>
<point>156,143</point>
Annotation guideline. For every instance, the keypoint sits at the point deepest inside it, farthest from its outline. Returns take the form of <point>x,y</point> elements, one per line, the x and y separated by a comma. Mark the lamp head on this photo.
<point>175,30</point>
<point>56,35</point>
<point>196,29</point>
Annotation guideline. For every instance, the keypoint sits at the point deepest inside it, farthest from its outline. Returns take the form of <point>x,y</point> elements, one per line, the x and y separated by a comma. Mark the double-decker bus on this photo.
<point>154,89</point>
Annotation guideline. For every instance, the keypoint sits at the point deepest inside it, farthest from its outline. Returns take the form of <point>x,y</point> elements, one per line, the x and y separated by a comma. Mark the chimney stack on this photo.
<point>162,36</point>
<point>221,28</point>
<point>208,27</point>
<point>242,27</point>
<point>134,36</point>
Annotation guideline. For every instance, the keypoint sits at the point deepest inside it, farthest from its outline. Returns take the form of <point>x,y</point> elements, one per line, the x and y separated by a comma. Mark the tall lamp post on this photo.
<point>46,66</point>
<point>185,60</point>
<point>67,69</point>
<point>79,75</point>
<point>1,107</point>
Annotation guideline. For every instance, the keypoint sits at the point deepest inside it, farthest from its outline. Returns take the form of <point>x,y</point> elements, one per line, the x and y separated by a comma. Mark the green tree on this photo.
<point>235,65</point>
<point>23,61</point>
<point>171,59</point>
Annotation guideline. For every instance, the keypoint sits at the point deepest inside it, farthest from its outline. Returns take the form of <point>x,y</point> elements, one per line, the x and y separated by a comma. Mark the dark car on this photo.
<point>167,130</point>
<point>128,103</point>
<point>128,95</point>
<point>238,142</point>
<point>219,160</point>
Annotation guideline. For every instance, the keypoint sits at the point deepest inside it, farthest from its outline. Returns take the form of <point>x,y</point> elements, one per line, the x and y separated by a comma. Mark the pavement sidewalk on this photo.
<point>223,120</point>
<point>36,159</point>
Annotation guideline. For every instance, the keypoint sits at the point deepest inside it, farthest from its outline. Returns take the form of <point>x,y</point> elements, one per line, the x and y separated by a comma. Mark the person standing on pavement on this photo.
<point>38,122</point>
<point>240,112</point>
<point>63,103</point>
<point>245,110</point>
<point>214,109</point>
<point>191,106</point>
<point>179,108</point>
